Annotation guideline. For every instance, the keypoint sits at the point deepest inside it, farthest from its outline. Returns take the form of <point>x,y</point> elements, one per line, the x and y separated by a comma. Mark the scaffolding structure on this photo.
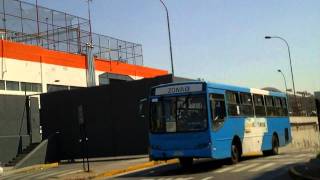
<point>32,24</point>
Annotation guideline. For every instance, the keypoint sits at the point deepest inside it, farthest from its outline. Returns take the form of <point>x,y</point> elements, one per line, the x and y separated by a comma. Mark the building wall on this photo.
<point>14,133</point>
<point>33,64</point>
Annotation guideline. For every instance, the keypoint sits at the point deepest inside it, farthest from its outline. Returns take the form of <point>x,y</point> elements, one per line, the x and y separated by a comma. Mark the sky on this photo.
<point>217,40</point>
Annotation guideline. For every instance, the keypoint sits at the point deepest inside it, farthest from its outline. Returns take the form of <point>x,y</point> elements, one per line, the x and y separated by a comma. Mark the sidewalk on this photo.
<point>308,171</point>
<point>105,167</point>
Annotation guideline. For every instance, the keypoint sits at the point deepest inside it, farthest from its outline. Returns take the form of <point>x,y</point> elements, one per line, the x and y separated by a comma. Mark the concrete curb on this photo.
<point>31,168</point>
<point>298,176</point>
<point>133,168</point>
<point>116,158</point>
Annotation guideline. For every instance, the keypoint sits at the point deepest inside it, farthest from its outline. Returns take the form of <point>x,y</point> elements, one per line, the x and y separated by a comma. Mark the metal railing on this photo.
<point>32,24</point>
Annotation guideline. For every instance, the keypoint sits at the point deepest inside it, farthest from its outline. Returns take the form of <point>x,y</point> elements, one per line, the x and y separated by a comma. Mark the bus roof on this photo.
<point>228,87</point>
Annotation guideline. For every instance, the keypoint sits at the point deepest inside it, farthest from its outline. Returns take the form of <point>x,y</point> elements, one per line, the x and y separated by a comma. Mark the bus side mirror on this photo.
<point>142,108</point>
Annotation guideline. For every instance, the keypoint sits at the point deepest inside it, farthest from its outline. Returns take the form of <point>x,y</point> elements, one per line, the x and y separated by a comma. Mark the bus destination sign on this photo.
<point>176,89</point>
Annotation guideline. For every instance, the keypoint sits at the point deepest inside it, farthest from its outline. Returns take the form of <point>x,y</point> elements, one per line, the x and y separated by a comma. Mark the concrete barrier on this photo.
<point>305,133</point>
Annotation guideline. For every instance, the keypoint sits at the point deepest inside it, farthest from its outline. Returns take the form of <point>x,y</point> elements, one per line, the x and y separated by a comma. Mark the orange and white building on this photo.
<point>35,69</point>
<point>43,50</point>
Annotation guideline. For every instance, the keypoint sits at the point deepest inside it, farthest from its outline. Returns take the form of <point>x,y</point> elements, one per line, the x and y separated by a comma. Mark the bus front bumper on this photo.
<point>169,154</point>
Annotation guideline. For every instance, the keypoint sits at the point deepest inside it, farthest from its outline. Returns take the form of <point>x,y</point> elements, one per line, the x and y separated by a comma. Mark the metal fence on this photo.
<point>32,24</point>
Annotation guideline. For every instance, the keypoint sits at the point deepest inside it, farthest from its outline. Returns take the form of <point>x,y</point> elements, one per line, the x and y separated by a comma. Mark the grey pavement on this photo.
<point>75,170</point>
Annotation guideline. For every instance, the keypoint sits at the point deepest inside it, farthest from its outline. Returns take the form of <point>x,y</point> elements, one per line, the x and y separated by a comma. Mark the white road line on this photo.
<point>227,168</point>
<point>68,173</point>
<point>27,175</point>
<point>16,176</point>
<point>36,174</point>
<point>207,178</point>
<point>311,155</point>
<point>301,155</point>
<point>305,155</point>
<point>186,178</point>
<point>262,167</point>
<point>52,174</point>
<point>277,156</point>
<point>277,160</point>
<point>289,162</point>
<point>245,167</point>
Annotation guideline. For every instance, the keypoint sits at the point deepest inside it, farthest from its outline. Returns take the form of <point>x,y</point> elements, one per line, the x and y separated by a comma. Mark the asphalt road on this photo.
<point>258,167</point>
<point>53,173</point>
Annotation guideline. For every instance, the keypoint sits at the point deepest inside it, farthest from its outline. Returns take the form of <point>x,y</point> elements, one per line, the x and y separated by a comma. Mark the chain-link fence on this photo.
<point>302,105</point>
<point>31,24</point>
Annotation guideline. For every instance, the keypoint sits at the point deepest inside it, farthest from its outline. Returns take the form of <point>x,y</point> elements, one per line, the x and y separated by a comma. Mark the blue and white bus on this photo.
<point>209,120</point>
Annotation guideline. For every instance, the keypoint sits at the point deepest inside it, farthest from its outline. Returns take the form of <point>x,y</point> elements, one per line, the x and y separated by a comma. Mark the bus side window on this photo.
<point>218,110</point>
<point>246,107</point>
<point>284,107</point>
<point>233,102</point>
<point>269,105</point>
<point>259,105</point>
<point>277,106</point>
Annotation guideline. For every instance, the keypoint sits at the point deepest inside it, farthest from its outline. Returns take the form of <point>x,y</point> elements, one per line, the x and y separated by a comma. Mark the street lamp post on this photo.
<point>294,89</point>
<point>168,22</point>
<point>284,79</point>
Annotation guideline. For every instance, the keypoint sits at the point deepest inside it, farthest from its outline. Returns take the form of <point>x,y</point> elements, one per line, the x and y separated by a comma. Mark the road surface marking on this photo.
<point>36,174</point>
<point>227,168</point>
<point>182,178</point>
<point>277,156</point>
<point>52,174</point>
<point>187,178</point>
<point>245,167</point>
<point>262,167</point>
<point>276,160</point>
<point>71,172</point>
<point>305,155</point>
<point>289,162</point>
<point>207,178</point>
<point>311,155</point>
<point>14,176</point>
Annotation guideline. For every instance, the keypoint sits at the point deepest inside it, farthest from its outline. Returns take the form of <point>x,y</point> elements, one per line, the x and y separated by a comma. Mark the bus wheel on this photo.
<point>275,147</point>
<point>235,153</point>
<point>186,162</point>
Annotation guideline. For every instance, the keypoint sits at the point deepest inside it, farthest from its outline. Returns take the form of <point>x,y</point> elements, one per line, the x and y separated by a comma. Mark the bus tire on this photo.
<point>235,152</point>
<point>275,146</point>
<point>186,162</point>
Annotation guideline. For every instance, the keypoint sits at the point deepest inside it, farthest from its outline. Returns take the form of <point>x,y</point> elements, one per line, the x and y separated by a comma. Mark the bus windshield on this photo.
<point>178,114</point>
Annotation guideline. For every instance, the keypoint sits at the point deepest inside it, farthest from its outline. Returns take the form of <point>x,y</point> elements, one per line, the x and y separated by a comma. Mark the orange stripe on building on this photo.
<point>38,54</point>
